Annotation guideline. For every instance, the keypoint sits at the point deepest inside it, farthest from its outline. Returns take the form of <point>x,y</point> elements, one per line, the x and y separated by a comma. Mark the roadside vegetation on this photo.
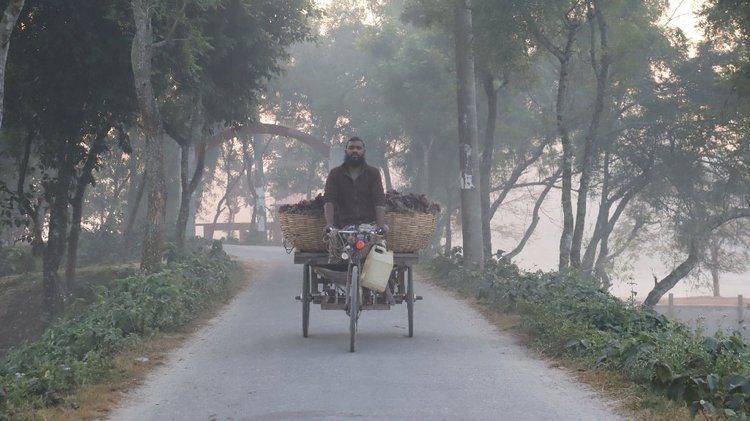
<point>573,319</point>
<point>81,348</point>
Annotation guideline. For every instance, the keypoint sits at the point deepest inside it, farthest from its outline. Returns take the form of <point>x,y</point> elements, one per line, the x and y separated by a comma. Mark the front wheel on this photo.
<point>353,306</point>
<point>410,297</point>
<point>306,298</point>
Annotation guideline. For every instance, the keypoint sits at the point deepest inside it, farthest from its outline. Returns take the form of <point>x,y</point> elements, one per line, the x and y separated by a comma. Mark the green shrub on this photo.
<point>15,260</point>
<point>80,349</point>
<point>567,315</point>
<point>105,246</point>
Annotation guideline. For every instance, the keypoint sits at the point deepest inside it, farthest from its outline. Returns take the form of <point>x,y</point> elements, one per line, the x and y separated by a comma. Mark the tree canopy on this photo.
<point>593,115</point>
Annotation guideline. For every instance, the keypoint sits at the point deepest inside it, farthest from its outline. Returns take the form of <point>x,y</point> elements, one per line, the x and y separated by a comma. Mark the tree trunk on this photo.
<point>485,168</point>
<point>566,238</point>
<point>471,203</point>
<point>534,216</point>
<point>230,185</point>
<point>109,210</point>
<point>424,184</point>
<point>715,257</point>
<point>141,56</point>
<point>133,207</point>
<point>563,56</point>
<point>587,263</point>
<point>448,218</point>
<point>188,186</point>
<point>706,227</point>
<point>217,214</point>
<point>260,189</point>
<point>601,70</point>
<point>604,257</point>
<point>8,22</point>
<point>663,286</point>
<point>247,164</point>
<point>74,235</point>
<point>86,178</point>
<point>55,290</point>
<point>604,226</point>
<point>600,268</point>
<point>515,175</point>
<point>230,219</point>
<point>185,193</point>
<point>27,208</point>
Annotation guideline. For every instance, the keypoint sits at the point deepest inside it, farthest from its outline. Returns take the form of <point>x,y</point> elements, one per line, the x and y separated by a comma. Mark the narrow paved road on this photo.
<point>252,363</point>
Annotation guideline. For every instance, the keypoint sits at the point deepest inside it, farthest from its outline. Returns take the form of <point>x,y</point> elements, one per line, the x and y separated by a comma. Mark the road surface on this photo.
<point>252,363</point>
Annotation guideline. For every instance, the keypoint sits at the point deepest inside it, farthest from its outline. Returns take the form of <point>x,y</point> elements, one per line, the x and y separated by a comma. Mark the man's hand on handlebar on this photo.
<point>328,229</point>
<point>382,230</point>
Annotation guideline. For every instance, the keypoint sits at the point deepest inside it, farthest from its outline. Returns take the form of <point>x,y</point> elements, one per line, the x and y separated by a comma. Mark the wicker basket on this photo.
<point>304,232</point>
<point>409,232</point>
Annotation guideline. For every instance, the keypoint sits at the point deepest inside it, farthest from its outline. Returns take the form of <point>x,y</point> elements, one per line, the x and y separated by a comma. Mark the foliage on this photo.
<point>727,24</point>
<point>79,349</point>
<point>104,246</point>
<point>569,316</point>
<point>16,259</point>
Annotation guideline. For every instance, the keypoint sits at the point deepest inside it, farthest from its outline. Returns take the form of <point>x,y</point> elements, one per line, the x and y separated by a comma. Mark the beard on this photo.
<point>353,161</point>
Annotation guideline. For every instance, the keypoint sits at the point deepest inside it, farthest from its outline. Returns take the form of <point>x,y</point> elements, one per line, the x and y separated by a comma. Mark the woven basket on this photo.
<point>304,232</point>
<point>409,232</point>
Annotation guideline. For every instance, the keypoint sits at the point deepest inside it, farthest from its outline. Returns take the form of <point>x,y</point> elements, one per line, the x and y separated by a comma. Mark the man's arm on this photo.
<point>328,213</point>
<point>379,199</point>
<point>330,197</point>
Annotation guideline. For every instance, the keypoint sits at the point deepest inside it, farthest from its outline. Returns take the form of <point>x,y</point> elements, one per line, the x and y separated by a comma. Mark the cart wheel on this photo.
<point>306,297</point>
<point>353,306</point>
<point>410,297</point>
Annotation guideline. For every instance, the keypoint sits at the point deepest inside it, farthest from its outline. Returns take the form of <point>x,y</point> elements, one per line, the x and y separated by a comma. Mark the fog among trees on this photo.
<point>123,118</point>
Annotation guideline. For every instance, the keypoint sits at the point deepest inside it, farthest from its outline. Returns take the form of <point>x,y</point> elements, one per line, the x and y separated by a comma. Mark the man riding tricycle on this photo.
<point>358,271</point>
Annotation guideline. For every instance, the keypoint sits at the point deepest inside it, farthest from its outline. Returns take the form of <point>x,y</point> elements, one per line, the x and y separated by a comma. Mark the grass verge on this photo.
<point>651,367</point>
<point>79,368</point>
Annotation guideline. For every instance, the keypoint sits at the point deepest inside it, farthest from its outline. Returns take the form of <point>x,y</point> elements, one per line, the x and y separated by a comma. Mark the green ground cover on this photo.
<point>572,318</point>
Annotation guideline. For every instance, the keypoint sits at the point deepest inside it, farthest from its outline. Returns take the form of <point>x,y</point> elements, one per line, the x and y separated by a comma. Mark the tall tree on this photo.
<point>212,67</point>
<point>600,63</point>
<point>499,64</point>
<point>192,138</point>
<point>142,57</point>
<point>7,23</point>
<point>468,137</point>
<point>65,102</point>
<point>570,22</point>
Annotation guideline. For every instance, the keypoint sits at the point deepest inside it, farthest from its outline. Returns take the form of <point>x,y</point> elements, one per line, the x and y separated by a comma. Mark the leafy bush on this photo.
<point>16,259</point>
<point>104,246</point>
<point>80,349</point>
<point>566,315</point>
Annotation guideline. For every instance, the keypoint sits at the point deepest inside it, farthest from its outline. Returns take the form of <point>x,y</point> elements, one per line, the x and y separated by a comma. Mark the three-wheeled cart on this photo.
<point>325,283</point>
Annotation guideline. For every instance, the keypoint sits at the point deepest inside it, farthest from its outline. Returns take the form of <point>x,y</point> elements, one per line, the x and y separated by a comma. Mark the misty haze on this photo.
<point>376,209</point>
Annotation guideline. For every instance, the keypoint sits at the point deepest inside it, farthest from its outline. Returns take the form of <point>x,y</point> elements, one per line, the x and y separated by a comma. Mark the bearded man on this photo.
<point>354,191</point>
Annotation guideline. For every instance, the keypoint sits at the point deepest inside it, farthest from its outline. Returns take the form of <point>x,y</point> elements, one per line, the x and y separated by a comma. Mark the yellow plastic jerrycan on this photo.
<point>377,268</point>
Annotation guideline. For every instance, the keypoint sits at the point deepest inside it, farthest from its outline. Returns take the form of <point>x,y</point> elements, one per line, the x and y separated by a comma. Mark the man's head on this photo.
<point>354,153</point>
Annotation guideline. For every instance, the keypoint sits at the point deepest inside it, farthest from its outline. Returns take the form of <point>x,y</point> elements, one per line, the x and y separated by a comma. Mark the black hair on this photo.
<point>354,139</point>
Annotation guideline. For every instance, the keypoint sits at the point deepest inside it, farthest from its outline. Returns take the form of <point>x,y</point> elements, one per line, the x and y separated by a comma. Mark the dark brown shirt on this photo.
<point>354,201</point>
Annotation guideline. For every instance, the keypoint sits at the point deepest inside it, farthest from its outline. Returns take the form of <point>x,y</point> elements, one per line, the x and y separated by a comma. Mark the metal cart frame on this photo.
<point>322,290</point>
